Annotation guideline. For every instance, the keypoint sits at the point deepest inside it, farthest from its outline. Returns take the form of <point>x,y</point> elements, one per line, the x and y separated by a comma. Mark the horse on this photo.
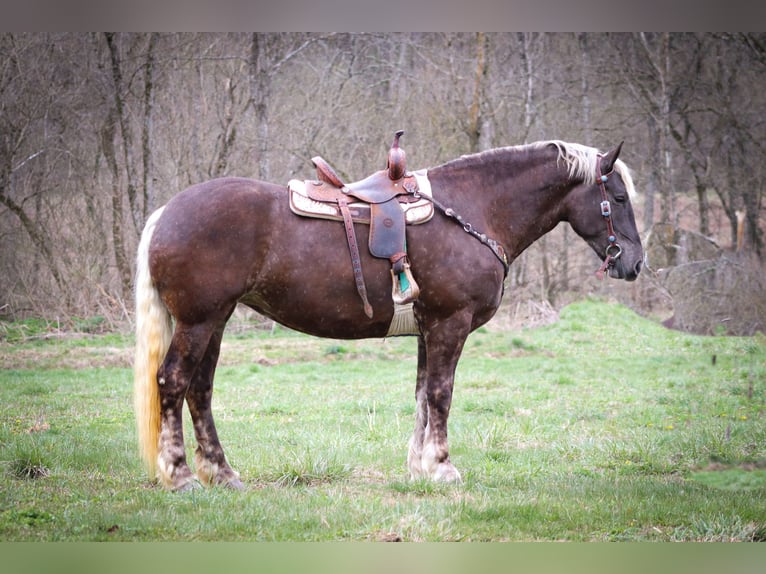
<point>231,241</point>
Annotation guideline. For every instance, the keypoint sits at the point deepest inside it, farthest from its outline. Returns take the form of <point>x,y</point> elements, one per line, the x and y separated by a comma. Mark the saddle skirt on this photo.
<point>415,211</point>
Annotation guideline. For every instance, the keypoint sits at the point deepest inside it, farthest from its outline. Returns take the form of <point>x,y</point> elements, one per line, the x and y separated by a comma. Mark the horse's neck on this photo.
<point>516,200</point>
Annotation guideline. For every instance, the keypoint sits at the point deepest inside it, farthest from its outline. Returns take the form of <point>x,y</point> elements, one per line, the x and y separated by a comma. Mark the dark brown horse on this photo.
<point>232,240</point>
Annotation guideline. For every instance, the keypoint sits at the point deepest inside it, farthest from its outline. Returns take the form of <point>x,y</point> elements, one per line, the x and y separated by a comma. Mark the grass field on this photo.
<point>603,426</point>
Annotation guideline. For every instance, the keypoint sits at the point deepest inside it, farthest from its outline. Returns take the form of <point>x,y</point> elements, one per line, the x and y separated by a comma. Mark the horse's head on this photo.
<point>601,213</point>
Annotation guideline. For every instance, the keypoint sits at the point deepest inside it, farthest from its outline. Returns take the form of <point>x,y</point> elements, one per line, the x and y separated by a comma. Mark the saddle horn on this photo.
<point>397,159</point>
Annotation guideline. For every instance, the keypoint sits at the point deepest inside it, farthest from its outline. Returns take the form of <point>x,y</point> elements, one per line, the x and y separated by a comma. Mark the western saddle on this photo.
<point>386,200</point>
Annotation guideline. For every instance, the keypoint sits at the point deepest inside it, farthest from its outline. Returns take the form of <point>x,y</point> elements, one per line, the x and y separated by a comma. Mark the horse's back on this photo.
<point>230,199</point>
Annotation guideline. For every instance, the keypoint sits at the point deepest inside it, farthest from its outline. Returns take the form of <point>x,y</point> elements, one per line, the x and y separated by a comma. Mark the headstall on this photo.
<point>613,250</point>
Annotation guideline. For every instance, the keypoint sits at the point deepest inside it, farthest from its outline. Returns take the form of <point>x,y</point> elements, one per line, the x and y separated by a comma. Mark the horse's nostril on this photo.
<point>638,266</point>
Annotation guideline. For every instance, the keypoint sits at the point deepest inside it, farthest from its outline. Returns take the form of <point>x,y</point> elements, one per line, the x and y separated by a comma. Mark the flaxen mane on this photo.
<point>579,159</point>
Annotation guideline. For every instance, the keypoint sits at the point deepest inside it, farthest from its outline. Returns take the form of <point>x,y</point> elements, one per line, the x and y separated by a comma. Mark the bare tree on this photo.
<point>268,54</point>
<point>477,124</point>
<point>147,131</point>
<point>645,68</point>
<point>28,91</point>
<point>738,136</point>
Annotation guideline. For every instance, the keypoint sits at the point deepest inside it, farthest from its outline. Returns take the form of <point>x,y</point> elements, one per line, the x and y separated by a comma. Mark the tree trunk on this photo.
<point>475,116</point>
<point>147,135</point>
<point>659,65</point>
<point>118,237</point>
<point>125,130</point>
<point>585,73</point>
<point>260,92</point>
<point>530,112</point>
<point>228,135</point>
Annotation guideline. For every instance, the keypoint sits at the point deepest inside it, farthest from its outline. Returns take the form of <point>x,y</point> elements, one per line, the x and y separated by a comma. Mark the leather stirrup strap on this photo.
<point>356,262</point>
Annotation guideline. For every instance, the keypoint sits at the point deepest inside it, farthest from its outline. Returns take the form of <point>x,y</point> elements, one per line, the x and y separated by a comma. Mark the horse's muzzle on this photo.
<point>622,271</point>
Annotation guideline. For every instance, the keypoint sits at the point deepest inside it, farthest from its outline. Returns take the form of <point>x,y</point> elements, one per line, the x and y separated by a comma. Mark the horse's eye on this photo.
<point>620,198</point>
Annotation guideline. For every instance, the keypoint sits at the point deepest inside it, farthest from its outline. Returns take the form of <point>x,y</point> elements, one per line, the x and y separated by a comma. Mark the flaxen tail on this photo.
<point>154,330</point>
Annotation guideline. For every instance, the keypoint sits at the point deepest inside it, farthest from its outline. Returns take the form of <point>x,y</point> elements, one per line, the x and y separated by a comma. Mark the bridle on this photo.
<point>613,250</point>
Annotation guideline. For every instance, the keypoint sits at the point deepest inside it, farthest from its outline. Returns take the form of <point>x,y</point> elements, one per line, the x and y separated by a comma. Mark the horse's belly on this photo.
<point>319,297</point>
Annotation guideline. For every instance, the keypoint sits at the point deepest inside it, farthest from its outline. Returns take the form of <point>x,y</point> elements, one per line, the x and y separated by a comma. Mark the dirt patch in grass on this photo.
<point>288,350</point>
<point>83,351</point>
<point>64,357</point>
<point>745,476</point>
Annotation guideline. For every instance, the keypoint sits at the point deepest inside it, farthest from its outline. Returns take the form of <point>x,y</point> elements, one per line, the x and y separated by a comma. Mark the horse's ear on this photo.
<point>607,163</point>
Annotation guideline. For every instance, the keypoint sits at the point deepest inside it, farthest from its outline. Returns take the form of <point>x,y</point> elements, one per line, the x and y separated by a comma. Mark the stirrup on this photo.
<point>405,289</point>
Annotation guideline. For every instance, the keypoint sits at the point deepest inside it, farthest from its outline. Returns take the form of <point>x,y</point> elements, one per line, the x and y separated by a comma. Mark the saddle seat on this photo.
<point>376,188</point>
<point>309,198</point>
<point>387,200</point>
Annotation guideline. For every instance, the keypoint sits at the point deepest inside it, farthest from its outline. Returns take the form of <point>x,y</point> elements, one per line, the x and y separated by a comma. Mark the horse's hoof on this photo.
<point>446,472</point>
<point>234,484</point>
<point>416,472</point>
<point>188,486</point>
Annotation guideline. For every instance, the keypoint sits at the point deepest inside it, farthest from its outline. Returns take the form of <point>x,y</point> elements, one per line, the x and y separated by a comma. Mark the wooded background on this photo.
<point>99,129</point>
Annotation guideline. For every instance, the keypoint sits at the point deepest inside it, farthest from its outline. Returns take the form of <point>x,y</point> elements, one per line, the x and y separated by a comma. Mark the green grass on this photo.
<point>601,427</point>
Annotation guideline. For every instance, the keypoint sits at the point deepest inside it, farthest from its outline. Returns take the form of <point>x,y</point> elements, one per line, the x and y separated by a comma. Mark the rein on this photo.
<point>493,245</point>
<point>613,250</point>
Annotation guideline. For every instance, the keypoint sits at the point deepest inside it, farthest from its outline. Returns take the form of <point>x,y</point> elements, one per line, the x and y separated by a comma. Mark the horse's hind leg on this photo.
<point>212,467</point>
<point>187,348</point>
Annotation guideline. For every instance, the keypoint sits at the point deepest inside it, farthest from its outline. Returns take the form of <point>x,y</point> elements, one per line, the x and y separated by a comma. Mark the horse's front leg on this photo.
<point>212,467</point>
<point>443,346</point>
<point>415,453</point>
